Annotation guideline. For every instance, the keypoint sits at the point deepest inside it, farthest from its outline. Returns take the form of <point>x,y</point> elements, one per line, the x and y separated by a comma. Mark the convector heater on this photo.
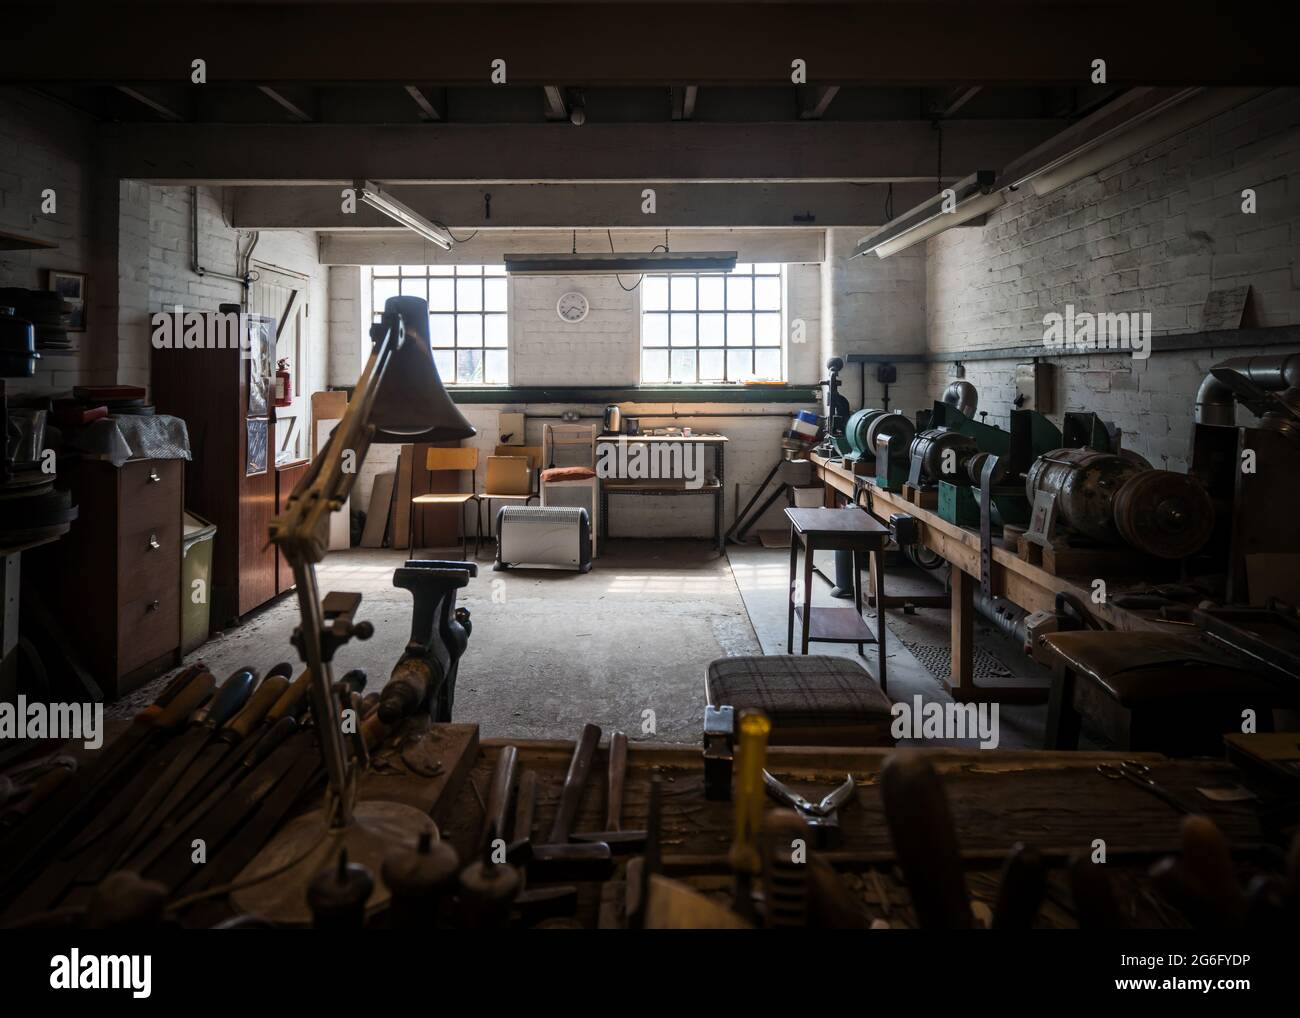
<point>534,535</point>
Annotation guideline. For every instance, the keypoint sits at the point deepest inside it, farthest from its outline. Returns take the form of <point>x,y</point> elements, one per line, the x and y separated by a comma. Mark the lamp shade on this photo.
<point>411,404</point>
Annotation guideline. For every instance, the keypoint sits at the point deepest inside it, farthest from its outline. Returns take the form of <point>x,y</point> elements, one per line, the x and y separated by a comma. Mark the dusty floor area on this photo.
<point>626,645</point>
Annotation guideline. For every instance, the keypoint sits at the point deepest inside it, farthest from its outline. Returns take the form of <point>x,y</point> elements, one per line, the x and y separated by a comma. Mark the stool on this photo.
<point>812,700</point>
<point>848,529</point>
<point>1153,692</point>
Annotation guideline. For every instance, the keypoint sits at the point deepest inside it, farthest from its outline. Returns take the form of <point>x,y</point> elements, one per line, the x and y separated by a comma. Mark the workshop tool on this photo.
<point>498,803</point>
<point>1139,774</point>
<point>237,736</point>
<point>337,897</point>
<point>425,675</point>
<point>785,871</point>
<point>90,856</point>
<point>925,842</point>
<point>521,828</point>
<point>421,880</point>
<point>746,863</point>
<point>822,817</point>
<point>719,745</point>
<point>125,901</point>
<point>1093,894</point>
<point>652,860</point>
<point>74,800</point>
<point>487,893</point>
<point>614,835</point>
<point>1021,890</point>
<point>560,859</point>
<point>32,785</point>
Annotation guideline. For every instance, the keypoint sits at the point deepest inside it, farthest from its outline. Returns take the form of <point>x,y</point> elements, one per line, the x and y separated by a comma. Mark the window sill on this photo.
<point>780,393</point>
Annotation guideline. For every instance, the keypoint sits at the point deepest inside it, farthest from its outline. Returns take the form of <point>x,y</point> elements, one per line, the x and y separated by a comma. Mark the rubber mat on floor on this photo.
<point>937,659</point>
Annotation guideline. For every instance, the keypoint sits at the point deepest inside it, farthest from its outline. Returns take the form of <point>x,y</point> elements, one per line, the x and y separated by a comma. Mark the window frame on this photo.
<point>399,274</point>
<point>748,271</point>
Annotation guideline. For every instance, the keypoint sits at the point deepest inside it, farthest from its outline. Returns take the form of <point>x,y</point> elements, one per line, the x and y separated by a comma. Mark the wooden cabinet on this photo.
<point>117,573</point>
<point>285,478</point>
<point>223,394</point>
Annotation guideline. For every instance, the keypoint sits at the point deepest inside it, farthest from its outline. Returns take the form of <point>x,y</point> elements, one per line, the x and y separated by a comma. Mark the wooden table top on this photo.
<point>840,522</point>
<point>698,439</point>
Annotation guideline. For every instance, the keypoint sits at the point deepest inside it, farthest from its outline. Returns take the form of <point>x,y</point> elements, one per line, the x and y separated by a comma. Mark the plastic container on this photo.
<point>196,581</point>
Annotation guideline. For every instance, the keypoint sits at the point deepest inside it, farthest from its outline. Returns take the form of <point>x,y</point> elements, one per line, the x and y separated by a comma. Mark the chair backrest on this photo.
<point>463,457</point>
<point>508,475</point>
<point>533,452</point>
<point>577,440</point>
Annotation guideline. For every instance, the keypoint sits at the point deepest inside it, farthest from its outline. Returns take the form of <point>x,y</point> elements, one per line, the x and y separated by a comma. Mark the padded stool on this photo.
<point>1152,692</point>
<point>814,700</point>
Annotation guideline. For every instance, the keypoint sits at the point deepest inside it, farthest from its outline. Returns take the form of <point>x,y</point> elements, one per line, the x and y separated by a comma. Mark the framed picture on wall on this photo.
<point>71,286</point>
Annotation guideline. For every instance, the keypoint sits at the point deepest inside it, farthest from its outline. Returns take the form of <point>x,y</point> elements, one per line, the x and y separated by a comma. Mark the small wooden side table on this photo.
<point>848,529</point>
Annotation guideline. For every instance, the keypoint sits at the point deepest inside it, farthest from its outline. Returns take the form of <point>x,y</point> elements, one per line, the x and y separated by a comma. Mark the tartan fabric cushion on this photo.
<point>799,691</point>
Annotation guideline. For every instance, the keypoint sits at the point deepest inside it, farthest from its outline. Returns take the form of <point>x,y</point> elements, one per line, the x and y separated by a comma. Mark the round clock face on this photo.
<point>572,307</point>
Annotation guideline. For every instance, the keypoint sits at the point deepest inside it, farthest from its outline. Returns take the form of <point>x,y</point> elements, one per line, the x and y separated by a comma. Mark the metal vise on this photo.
<point>425,675</point>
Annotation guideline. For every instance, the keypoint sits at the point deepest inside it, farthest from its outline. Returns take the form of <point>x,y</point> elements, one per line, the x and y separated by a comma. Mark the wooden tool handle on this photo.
<point>195,693</point>
<point>292,699</point>
<point>498,803</point>
<point>617,776</point>
<point>574,782</point>
<point>259,705</point>
<point>751,755</point>
<point>170,692</point>
<point>925,841</point>
<point>525,805</point>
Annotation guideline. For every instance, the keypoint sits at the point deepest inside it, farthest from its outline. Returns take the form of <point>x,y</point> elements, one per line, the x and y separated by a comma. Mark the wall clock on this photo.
<point>572,307</point>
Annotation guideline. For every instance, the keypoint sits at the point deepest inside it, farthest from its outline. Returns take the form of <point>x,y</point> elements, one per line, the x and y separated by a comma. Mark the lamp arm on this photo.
<point>301,533</point>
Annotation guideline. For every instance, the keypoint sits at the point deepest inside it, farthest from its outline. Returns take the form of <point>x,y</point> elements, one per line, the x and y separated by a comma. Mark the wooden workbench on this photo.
<point>1054,801</point>
<point>1022,583</point>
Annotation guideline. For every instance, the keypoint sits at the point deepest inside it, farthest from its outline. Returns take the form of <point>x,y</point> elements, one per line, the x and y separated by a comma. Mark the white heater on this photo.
<point>558,537</point>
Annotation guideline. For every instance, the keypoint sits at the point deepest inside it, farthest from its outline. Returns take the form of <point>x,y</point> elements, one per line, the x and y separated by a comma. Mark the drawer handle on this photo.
<point>154,477</point>
<point>153,542</point>
<point>152,606</point>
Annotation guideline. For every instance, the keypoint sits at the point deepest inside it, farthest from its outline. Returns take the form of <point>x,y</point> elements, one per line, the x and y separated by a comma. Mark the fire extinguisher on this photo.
<point>283,384</point>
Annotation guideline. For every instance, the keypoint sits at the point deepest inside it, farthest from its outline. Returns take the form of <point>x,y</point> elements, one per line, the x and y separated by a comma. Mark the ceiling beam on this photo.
<point>428,110</point>
<point>954,99</point>
<point>563,206</point>
<point>929,43</point>
<point>684,102</point>
<point>164,111</point>
<point>867,151</point>
<point>814,99</point>
<point>285,103</point>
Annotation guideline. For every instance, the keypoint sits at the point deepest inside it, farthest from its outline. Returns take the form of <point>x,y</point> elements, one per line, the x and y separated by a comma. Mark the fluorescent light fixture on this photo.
<point>1184,110</point>
<point>593,264</point>
<point>970,199</point>
<point>370,193</point>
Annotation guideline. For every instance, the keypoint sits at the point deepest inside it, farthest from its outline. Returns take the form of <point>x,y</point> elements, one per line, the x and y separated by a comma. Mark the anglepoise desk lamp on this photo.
<point>399,398</point>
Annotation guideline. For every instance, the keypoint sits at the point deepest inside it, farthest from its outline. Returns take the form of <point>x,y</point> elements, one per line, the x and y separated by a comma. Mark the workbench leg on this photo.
<point>807,589</point>
<point>794,575</point>
<point>963,633</point>
<point>873,598</point>
<point>877,561</point>
<point>857,591</point>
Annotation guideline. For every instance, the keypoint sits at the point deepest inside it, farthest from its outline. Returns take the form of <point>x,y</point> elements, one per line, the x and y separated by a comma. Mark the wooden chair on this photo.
<point>511,477</point>
<point>460,460</point>
<point>576,442</point>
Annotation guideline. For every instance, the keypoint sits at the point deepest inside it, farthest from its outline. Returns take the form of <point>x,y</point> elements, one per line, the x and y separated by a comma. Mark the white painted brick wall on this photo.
<point>1156,232</point>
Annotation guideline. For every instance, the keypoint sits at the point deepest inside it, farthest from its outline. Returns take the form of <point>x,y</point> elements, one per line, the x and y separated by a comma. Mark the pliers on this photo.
<point>821,817</point>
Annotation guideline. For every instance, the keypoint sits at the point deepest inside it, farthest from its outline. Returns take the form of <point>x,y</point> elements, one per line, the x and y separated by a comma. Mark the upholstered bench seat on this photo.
<point>817,700</point>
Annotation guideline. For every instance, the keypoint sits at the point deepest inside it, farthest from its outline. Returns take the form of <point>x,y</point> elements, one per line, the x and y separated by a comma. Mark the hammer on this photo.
<point>560,860</point>
<point>615,837</point>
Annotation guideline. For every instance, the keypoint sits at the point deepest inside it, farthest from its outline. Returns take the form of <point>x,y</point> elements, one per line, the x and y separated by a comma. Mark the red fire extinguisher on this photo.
<point>283,384</point>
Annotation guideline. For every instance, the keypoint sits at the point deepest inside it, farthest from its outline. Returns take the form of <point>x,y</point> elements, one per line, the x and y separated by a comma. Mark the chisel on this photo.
<point>70,804</point>
<point>223,743</point>
<point>89,857</point>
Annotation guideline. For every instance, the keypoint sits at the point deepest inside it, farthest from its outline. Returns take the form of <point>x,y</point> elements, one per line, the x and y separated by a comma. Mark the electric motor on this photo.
<point>1114,499</point>
<point>940,447</point>
<point>898,428</point>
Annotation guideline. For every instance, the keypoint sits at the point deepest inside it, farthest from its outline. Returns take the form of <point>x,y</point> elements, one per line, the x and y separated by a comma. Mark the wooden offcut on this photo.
<point>381,496</point>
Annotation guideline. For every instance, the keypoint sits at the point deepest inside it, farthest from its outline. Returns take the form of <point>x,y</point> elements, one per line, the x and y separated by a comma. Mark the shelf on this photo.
<point>834,625</point>
<point>615,487</point>
<point>18,242</point>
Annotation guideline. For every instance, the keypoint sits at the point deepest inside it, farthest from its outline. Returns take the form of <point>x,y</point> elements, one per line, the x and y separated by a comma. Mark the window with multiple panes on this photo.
<point>707,327</point>
<point>467,316</point>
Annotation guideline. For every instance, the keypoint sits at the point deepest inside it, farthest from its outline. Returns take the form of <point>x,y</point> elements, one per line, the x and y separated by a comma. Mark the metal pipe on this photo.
<point>962,395</point>
<point>195,267</point>
<point>1007,617</point>
<point>1215,402</point>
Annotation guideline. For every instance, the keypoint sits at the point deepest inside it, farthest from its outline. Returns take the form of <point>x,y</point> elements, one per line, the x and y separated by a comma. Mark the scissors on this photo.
<point>1140,775</point>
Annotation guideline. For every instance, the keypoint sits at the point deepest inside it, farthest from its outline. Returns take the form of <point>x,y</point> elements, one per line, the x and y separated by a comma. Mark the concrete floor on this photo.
<point>625,646</point>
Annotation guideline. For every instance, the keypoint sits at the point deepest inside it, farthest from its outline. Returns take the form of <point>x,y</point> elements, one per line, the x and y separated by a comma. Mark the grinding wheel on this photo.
<point>1164,514</point>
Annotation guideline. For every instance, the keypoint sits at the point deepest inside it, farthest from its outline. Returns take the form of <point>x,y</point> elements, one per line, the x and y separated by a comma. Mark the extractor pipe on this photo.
<point>1215,403</point>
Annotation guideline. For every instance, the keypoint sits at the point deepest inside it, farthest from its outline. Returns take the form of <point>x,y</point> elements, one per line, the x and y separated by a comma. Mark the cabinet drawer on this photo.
<point>151,490</point>
<point>148,627</point>
<point>142,567</point>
